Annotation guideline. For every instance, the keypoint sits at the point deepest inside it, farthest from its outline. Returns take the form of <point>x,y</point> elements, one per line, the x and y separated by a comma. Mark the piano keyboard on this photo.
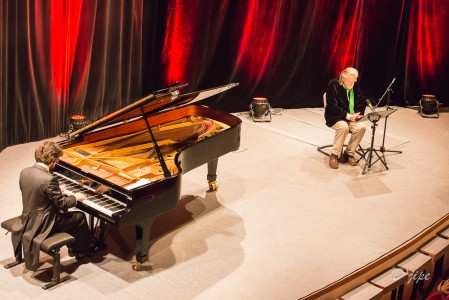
<point>102,203</point>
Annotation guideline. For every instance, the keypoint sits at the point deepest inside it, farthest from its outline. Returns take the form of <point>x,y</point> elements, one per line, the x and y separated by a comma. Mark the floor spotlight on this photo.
<point>428,106</point>
<point>77,122</point>
<point>260,110</point>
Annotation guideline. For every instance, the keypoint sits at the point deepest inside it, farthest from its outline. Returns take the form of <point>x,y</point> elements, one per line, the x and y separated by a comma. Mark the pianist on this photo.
<point>45,209</point>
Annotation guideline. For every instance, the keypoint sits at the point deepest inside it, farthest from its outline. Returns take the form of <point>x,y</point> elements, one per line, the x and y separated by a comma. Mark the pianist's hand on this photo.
<point>79,197</point>
<point>65,191</point>
<point>102,189</point>
<point>87,182</point>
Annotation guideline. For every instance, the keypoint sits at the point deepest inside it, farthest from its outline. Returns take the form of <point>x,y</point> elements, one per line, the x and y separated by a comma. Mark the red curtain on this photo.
<point>59,58</point>
<point>427,45</point>
<point>192,32</point>
<point>289,50</point>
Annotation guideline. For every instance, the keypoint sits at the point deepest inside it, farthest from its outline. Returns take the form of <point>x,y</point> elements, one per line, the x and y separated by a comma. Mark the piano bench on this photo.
<point>51,246</point>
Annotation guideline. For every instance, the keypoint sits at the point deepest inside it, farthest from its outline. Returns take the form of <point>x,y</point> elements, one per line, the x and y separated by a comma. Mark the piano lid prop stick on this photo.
<point>110,116</point>
<point>156,146</point>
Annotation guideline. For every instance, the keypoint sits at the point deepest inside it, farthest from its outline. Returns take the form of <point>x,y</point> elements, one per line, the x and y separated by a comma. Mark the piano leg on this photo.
<point>98,233</point>
<point>212,174</point>
<point>92,224</point>
<point>142,243</point>
<point>101,235</point>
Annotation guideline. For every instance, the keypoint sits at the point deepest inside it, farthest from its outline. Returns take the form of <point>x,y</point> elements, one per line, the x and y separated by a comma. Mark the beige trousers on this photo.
<point>342,128</point>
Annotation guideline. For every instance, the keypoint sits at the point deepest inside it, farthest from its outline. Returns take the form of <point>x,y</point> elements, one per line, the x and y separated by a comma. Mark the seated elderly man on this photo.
<point>345,103</point>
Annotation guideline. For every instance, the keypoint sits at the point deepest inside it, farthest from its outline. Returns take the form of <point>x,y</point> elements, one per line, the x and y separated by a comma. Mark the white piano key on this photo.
<point>102,203</point>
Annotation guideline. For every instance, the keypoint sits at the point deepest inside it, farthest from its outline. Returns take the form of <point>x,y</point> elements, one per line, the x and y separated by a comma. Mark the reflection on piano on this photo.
<point>140,153</point>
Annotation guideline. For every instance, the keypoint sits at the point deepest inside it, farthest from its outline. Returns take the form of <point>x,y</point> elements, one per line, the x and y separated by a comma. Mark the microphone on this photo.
<point>368,102</point>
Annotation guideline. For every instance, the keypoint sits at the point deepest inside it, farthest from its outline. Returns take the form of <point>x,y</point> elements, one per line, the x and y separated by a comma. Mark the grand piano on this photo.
<point>140,153</point>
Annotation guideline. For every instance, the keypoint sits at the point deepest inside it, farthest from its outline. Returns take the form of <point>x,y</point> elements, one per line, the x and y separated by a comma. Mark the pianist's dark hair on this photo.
<point>48,152</point>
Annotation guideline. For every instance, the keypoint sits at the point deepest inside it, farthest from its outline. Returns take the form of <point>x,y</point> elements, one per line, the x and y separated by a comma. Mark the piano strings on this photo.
<point>125,159</point>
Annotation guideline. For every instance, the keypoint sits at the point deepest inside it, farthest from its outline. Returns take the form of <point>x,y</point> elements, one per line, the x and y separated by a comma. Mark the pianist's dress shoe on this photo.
<point>80,256</point>
<point>71,252</point>
<point>333,161</point>
<point>93,248</point>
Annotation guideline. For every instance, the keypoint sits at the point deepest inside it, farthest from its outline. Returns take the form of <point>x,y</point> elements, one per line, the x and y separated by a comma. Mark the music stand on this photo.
<point>374,117</point>
<point>387,107</point>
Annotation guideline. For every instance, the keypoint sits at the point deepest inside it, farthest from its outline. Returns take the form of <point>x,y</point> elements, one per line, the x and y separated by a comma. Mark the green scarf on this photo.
<point>351,99</point>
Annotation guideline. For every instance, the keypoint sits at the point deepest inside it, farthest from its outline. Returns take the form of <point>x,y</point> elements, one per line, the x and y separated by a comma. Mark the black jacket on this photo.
<point>42,202</point>
<point>337,102</point>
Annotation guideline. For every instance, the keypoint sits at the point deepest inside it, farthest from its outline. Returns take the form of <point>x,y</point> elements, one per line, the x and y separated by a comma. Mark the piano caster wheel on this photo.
<point>137,265</point>
<point>213,186</point>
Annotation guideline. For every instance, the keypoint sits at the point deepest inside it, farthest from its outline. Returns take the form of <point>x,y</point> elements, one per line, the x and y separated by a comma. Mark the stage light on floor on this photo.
<point>428,106</point>
<point>77,122</point>
<point>260,110</point>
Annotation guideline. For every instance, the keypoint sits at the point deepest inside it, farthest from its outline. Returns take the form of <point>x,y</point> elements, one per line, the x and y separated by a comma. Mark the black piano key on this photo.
<point>94,200</point>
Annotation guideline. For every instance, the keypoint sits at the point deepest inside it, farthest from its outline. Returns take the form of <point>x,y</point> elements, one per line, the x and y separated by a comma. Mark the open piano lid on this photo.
<point>157,102</point>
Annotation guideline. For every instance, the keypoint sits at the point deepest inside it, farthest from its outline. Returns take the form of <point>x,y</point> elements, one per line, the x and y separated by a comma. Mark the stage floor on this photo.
<point>282,224</point>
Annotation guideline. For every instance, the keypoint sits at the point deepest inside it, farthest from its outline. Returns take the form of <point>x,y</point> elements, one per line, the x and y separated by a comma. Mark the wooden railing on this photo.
<point>390,260</point>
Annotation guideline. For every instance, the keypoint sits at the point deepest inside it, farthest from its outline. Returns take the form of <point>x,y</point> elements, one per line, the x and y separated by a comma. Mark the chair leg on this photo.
<point>18,256</point>
<point>13,264</point>
<point>56,278</point>
<point>8,224</point>
<point>360,151</point>
<point>320,149</point>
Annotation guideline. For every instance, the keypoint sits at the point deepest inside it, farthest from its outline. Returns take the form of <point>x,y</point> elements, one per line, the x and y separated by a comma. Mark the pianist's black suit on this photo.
<point>43,214</point>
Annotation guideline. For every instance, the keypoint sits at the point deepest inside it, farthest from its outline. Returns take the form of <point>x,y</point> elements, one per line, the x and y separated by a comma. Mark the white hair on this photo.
<point>348,72</point>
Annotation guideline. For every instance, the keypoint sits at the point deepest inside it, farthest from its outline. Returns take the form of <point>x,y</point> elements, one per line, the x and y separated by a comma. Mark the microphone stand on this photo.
<point>387,107</point>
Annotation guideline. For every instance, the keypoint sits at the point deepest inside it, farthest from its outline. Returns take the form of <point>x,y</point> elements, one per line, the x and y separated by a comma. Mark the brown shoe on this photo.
<point>352,161</point>
<point>333,161</point>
